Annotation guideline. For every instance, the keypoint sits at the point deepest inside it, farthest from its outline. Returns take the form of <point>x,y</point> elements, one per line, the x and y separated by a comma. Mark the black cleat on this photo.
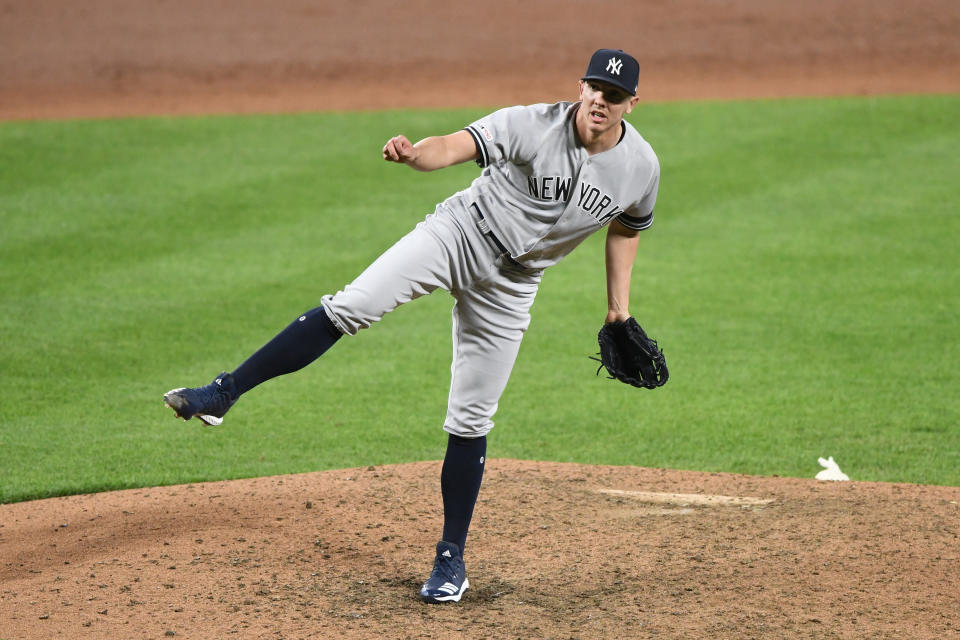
<point>449,579</point>
<point>208,403</point>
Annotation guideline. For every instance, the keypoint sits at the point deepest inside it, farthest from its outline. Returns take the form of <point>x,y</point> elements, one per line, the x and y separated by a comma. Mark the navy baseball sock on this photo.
<point>460,484</point>
<point>302,342</point>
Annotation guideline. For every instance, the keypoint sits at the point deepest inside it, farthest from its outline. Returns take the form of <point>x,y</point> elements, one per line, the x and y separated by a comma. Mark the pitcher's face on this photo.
<point>603,106</point>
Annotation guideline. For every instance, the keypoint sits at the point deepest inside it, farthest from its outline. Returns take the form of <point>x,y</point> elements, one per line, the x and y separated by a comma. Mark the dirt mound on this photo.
<point>114,57</point>
<point>556,551</point>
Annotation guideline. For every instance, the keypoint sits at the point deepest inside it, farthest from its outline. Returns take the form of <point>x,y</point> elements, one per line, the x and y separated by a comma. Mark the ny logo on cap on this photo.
<point>614,65</point>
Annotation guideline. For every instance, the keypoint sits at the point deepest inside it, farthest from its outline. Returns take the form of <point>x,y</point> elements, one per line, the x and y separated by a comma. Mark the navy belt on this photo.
<point>485,229</point>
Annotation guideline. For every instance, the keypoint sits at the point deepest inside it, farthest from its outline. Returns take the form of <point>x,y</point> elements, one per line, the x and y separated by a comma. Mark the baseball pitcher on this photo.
<point>552,174</point>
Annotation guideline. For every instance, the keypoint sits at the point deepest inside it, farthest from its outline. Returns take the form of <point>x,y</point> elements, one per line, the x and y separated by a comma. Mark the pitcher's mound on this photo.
<point>556,551</point>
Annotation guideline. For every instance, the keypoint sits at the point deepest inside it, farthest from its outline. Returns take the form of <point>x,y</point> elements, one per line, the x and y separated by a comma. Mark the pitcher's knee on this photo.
<point>473,429</point>
<point>344,316</point>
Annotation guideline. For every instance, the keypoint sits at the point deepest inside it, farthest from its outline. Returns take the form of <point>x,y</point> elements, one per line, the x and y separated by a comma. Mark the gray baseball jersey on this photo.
<point>541,193</point>
<point>538,197</point>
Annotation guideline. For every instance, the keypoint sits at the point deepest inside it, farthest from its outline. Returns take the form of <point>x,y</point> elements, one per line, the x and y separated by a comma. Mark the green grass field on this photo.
<point>802,277</point>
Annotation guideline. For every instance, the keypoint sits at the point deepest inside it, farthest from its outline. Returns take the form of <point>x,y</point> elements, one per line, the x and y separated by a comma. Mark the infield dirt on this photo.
<point>556,550</point>
<point>115,57</point>
<point>553,554</point>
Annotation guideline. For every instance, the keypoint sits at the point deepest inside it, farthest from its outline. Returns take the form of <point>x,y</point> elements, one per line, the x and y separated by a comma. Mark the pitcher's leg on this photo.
<point>303,341</point>
<point>488,326</point>
<point>413,267</point>
<point>416,265</point>
<point>460,479</point>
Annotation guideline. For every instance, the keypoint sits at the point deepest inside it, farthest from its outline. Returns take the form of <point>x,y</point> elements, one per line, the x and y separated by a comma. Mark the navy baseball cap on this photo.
<point>615,67</point>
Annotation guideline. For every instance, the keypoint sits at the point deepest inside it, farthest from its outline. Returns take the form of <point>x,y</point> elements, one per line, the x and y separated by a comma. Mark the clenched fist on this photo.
<point>399,149</point>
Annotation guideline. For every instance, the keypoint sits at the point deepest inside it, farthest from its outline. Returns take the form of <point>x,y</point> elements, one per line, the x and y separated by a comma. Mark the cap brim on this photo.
<point>606,80</point>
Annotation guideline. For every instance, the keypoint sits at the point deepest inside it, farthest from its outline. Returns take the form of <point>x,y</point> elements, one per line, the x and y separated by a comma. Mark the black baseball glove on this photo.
<point>630,356</point>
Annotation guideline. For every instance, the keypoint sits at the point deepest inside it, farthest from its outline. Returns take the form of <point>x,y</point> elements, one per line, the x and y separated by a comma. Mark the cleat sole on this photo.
<point>450,598</point>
